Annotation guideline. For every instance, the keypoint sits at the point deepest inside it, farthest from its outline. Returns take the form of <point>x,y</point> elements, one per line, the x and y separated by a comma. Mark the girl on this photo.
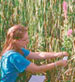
<point>14,56</point>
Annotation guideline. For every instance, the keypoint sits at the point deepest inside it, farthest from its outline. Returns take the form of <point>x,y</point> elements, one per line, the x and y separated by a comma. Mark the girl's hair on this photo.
<point>14,33</point>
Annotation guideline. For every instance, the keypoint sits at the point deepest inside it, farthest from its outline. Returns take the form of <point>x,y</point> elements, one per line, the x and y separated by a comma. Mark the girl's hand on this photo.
<point>61,63</point>
<point>64,54</point>
<point>60,54</point>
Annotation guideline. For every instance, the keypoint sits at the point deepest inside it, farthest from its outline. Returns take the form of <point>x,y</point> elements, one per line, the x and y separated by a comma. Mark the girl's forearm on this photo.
<point>50,55</point>
<point>44,68</point>
<point>41,55</point>
<point>37,69</point>
<point>51,66</point>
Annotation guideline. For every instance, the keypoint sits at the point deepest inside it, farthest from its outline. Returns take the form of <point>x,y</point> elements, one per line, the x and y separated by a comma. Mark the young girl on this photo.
<point>14,57</point>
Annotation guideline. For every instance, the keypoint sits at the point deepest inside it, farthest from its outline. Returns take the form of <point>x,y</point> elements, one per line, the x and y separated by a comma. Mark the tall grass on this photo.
<point>46,25</point>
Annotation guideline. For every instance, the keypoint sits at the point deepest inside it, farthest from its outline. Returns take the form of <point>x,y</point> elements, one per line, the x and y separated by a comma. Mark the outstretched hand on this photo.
<point>61,63</point>
<point>61,54</point>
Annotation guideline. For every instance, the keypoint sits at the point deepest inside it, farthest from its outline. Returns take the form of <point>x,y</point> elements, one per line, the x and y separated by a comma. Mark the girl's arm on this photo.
<point>46,55</point>
<point>37,69</point>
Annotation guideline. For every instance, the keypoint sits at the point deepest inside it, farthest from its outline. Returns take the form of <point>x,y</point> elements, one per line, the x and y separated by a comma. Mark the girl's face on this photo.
<point>24,41</point>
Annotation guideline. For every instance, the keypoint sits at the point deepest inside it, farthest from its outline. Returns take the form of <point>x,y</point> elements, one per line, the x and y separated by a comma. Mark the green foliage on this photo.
<point>67,44</point>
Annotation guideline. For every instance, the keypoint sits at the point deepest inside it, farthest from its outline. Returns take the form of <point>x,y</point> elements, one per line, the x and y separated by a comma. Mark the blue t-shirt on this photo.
<point>13,63</point>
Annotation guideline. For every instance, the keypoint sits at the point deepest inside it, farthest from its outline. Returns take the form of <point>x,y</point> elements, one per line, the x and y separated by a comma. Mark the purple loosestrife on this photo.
<point>69,32</point>
<point>65,9</point>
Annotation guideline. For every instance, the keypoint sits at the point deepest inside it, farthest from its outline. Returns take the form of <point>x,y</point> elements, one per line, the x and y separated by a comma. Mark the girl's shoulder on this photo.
<point>8,53</point>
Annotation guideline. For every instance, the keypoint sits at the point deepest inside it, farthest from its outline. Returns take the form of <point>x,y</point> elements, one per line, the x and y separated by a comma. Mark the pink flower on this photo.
<point>65,8</point>
<point>69,32</point>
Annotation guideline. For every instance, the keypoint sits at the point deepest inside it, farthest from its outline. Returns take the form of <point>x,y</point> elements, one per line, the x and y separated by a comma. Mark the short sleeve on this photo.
<point>19,62</point>
<point>25,51</point>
